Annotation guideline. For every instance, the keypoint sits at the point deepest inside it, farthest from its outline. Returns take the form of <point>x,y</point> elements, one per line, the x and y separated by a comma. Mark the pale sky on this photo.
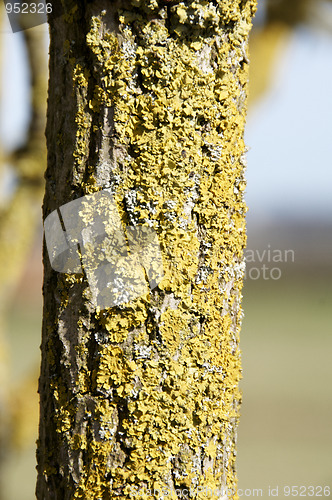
<point>289,133</point>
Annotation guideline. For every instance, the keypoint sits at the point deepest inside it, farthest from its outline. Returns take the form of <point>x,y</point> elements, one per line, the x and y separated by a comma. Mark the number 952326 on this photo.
<point>306,491</point>
<point>28,8</point>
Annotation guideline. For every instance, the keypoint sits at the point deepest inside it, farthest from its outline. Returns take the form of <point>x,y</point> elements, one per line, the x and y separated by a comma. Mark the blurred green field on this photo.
<point>285,433</point>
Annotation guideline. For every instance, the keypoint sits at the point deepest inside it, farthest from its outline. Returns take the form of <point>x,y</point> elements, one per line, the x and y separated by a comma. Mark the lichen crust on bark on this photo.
<point>148,100</point>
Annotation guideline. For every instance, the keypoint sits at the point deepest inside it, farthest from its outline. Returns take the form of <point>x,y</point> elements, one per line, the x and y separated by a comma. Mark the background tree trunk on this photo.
<point>147,99</point>
<point>19,221</point>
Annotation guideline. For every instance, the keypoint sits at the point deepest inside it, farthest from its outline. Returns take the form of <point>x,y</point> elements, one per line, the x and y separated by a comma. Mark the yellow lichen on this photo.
<point>178,96</point>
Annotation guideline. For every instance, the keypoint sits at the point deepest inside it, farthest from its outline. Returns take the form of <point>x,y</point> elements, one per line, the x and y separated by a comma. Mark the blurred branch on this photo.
<point>18,221</point>
<point>289,12</point>
<point>4,415</point>
<point>30,160</point>
<point>20,217</point>
<point>281,18</point>
<point>265,45</point>
<point>24,411</point>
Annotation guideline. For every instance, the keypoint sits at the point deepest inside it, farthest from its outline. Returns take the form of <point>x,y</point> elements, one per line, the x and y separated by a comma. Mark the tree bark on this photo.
<point>147,100</point>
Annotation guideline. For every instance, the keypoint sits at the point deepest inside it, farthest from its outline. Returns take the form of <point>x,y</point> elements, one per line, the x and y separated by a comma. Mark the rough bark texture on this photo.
<point>148,100</point>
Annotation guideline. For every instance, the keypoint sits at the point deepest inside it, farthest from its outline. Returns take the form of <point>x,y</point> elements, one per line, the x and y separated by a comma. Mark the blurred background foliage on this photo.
<point>285,435</point>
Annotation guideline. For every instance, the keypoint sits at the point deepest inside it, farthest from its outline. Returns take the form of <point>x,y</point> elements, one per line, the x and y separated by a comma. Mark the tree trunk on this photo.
<point>146,104</point>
